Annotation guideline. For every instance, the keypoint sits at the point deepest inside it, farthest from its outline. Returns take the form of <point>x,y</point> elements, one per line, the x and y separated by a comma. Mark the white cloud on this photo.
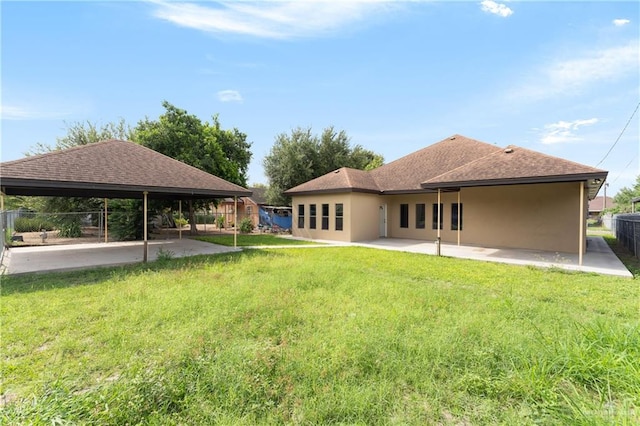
<point>499,9</point>
<point>564,131</point>
<point>15,112</point>
<point>229,96</point>
<point>568,76</point>
<point>620,22</point>
<point>279,20</point>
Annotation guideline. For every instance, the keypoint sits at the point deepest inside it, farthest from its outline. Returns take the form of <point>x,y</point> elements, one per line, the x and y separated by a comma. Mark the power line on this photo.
<point>625,168</point>
<point>621,133</point>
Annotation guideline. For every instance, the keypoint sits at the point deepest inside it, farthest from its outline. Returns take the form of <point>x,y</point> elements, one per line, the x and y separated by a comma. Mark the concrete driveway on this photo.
<point>20,260</point>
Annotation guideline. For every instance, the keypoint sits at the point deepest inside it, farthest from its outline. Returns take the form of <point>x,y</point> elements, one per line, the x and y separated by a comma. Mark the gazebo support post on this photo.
<point>106,226</point>
<point>235,221</point>
<point>582,220</point>
<point>144,227</point>
<point>180,218</point>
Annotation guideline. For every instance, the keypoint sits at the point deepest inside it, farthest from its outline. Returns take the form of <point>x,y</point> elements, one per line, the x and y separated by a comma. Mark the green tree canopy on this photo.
<point>301,156</point>
<point>84,133</point>
<point>624,196</point>
<point>204,145</point>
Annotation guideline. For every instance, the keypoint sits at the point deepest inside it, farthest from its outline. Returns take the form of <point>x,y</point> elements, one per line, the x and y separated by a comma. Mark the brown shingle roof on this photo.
<point>597,204</point>
<point>115,169</point>
<point>341,180</point>
<point>512,164</point>
<point>455,162</point>
<point>409,172</point>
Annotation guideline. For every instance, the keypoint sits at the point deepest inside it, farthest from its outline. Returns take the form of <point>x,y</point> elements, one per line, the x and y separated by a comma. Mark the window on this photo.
<point>339,216</point>
<point>312,216</point>
<point>325,216</point>
<point>420,216</point>
<point>434,224</point>
<point>456,211</point>
<point>404,215</point>
<point>300,216</point>
<point>248,210</point>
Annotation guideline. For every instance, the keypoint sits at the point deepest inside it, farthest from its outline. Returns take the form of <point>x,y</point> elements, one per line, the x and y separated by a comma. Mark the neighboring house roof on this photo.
<point>597,204</point>
<point>457,162</point>
<point>259,195</point>
<point>111,169</point>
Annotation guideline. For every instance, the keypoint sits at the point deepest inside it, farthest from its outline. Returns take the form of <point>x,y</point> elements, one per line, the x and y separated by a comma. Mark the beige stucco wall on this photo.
<point>534,216</point>
<point>360,220</point>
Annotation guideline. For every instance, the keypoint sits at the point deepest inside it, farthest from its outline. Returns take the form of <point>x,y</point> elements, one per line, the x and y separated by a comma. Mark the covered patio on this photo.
<point>113,169</point>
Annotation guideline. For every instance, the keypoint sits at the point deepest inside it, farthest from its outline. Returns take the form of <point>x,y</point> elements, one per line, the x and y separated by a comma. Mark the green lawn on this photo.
<point>339,335</point>
<point>249,240</point>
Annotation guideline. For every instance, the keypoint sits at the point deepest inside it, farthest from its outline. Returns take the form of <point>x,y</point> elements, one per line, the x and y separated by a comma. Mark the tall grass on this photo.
<point>336,335</point>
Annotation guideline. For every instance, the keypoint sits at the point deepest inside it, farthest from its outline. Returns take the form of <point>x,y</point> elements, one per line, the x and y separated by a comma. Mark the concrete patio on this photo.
<point>19,260</point>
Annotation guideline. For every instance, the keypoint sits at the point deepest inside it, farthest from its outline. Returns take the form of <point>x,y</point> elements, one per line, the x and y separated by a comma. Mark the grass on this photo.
<point>333,336</point>
<point>630,261</point>
<point>252,240</point>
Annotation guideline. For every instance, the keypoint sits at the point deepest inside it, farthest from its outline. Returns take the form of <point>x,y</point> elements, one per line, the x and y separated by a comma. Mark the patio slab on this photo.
<point>22,260</point>
<point>599,257</point>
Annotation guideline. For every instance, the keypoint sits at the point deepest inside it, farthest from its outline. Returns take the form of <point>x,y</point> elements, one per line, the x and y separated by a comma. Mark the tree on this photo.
<point>623,198</point>
<point>206,146</point>
<point>78,133</point>
<point>301,156</point>
<point>84,133</point>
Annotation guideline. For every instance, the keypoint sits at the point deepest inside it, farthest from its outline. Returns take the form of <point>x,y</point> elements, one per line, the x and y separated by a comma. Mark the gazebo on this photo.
<point>112,169</point>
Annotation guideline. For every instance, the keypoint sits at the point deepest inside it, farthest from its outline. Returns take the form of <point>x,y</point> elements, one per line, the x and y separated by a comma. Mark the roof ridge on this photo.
<point>498,151</point>
<point>59,151</point>
<point>553,157</point>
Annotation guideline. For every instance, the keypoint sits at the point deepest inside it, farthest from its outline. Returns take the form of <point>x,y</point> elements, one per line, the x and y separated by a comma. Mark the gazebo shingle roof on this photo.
<point>112,169</point>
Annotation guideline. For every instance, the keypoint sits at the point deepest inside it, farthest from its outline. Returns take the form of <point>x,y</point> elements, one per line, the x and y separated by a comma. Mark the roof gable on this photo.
<point>114,166</point>
<point>409,172</point>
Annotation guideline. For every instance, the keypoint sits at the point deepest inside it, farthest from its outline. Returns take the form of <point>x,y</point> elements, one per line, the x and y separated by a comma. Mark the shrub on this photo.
<point>32,224</point>
<point>180,222</point>
<point>246,226</point>
<point>70,229</point>
<point>220,222</point>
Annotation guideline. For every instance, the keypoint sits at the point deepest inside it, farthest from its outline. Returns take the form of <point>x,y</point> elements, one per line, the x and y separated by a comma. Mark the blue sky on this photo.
<point>561,78</point>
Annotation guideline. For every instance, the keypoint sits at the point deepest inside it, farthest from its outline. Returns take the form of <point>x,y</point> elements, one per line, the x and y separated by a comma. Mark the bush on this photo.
<point>70,229</point>
<point>246,226</point>
<point>220,222</point>
<point>180,222</point>
<point>32,224</point>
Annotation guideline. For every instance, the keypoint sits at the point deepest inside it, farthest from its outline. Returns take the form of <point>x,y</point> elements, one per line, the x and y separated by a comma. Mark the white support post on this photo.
<point>582,220</point>
<point>145,256</point>
<point>235,221</point>
<point>180,217</point>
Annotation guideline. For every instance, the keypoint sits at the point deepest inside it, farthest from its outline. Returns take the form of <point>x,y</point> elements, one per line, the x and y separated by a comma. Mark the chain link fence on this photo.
<point>626,228</point>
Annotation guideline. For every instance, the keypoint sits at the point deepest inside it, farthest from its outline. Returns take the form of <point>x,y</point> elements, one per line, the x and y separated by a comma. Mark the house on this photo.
<point>598,205</point>
<point>458,190</point>
<point>255,207</point>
